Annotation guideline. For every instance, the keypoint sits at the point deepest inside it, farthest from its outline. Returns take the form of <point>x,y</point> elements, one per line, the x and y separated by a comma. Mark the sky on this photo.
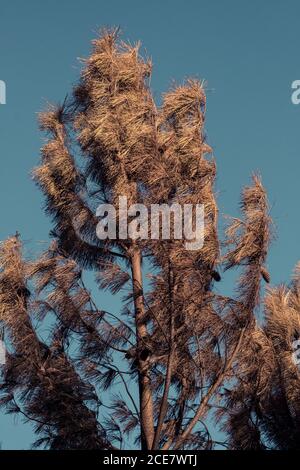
<point>248,54</point>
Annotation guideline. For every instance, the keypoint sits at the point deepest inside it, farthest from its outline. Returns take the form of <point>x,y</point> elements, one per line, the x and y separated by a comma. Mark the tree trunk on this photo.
<point>145,392</point>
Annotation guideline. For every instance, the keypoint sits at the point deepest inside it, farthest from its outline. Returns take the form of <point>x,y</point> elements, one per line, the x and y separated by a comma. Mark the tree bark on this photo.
<point>145,392</point>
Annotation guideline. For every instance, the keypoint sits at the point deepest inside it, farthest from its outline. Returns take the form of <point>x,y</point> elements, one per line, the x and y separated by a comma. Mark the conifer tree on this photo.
<point>264,406</point>
<point>178,352</point>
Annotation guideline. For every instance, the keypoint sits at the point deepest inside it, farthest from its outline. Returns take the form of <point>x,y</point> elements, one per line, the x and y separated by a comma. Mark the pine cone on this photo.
<point>265,275</point>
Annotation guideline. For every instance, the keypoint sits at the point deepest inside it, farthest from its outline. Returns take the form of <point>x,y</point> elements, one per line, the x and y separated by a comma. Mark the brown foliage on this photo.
<point>180,351</point>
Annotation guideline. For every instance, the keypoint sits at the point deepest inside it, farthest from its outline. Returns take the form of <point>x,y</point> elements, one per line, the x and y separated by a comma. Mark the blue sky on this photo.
<point>246,51</point>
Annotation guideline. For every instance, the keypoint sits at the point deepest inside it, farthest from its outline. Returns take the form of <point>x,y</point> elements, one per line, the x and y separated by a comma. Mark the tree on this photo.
<point>264,404</point>
<point>177,345</point>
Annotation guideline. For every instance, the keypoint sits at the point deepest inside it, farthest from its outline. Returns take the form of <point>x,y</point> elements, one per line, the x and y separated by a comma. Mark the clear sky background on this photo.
<point>248,52</point>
